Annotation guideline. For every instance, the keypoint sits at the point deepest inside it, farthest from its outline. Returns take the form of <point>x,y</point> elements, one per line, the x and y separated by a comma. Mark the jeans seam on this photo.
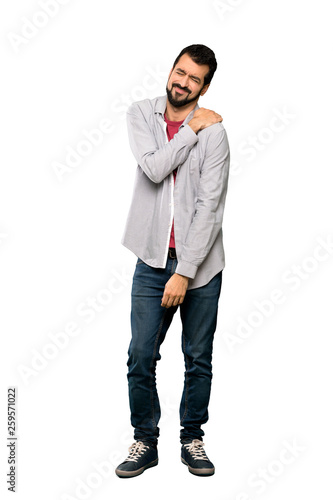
<point>152,374</point>
<point>186,382</point>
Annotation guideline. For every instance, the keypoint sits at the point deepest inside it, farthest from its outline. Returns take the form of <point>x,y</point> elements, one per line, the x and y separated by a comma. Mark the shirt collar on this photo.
<point>161,105</point>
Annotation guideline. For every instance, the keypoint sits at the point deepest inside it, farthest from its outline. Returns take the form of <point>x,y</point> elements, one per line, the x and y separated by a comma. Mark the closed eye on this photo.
<point>193,78</point>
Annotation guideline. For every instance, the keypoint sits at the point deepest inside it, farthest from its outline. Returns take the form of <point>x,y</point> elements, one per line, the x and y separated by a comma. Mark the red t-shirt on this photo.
<point>172,129</point>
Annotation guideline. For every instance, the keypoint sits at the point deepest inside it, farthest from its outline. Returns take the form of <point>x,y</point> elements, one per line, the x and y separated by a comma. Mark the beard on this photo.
<point>181,101</point>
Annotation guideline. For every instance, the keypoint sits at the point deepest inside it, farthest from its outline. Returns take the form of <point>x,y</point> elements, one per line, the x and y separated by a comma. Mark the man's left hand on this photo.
<point>175,290</point>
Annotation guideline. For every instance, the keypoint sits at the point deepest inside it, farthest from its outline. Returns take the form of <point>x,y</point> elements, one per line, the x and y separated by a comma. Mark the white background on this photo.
<point>60,247</point>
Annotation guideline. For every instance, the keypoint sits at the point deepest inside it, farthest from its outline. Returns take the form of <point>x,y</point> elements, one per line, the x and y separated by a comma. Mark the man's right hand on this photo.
<point>203,118</point>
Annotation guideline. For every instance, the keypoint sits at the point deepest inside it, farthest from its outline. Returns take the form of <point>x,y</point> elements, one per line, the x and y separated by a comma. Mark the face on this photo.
<point>186,82</point>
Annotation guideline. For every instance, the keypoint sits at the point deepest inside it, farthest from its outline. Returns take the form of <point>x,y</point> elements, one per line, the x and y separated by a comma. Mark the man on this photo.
<point>174,227</point>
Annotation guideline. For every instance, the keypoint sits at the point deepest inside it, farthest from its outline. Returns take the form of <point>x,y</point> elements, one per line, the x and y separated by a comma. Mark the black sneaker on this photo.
<point>142,456</point>
<point>193,455</point>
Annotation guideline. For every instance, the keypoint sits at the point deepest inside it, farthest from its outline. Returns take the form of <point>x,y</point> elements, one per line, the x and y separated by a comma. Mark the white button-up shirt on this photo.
<point>195,201</point>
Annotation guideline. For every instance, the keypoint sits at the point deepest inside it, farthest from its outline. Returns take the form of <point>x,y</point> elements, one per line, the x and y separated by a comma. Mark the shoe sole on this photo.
<point>198,472</point>
<point>134,473</point>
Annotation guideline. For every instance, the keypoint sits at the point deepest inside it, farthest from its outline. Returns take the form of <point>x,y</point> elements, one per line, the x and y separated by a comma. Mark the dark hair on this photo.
<point>200,54</point>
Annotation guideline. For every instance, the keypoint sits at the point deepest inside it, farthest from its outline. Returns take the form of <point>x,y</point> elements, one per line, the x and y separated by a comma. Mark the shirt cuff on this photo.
<point>186,269</point>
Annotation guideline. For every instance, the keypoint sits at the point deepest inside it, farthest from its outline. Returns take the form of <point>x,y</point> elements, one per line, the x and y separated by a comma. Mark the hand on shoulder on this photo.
<point>203,118</point>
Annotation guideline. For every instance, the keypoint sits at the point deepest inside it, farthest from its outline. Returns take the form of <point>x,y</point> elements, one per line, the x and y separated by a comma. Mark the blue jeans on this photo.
<point>150,322</point>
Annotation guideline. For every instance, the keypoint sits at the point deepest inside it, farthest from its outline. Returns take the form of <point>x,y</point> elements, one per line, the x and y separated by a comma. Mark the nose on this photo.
<point>183,81</point>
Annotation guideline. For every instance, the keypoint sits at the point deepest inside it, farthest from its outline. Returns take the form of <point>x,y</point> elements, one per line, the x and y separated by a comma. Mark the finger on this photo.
<point>167,301</point>
<point>164,300</point>
<point>172,302</point>
<point>178,300</point>
<point>181,299</point>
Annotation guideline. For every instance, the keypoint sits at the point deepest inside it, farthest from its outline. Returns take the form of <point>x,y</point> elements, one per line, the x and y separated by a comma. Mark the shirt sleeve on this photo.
<point>209,209</point>
<point>157,163</point>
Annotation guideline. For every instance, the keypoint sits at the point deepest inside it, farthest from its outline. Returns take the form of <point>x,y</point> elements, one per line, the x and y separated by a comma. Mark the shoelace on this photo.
<point>136,450</point>
<point>196,449</point>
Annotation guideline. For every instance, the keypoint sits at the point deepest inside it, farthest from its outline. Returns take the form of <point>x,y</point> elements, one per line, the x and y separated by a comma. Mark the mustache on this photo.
<point>181,88</point>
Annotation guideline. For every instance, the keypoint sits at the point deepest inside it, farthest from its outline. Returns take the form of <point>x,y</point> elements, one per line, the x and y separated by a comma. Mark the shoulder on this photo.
<point>139,107</point>
<point>145,106</point>
<point>214,135</point>
<point>214,131</point>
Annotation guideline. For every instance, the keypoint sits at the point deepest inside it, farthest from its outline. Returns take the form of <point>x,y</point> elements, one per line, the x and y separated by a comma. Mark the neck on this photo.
<point>179,114</point>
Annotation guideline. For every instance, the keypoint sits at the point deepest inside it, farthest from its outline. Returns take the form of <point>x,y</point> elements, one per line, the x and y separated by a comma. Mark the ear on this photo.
<point>204,90</point>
